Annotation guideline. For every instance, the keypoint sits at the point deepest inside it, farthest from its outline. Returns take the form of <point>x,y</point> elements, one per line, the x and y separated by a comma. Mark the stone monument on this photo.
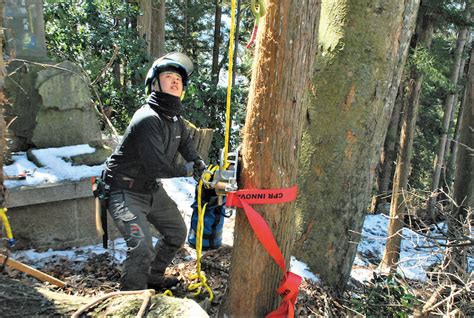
<point>50,103</point>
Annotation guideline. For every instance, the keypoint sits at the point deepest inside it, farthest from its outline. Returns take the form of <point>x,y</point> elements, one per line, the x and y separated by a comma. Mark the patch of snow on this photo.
<point>301,269</point>
<point>55,168</point>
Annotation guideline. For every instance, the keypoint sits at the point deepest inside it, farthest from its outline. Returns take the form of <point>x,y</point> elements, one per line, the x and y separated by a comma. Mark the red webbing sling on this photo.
<point>288,288</point>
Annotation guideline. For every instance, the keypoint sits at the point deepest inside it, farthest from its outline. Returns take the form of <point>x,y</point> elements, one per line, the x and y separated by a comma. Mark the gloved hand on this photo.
<point>199,167</point>
<point>189,168</point>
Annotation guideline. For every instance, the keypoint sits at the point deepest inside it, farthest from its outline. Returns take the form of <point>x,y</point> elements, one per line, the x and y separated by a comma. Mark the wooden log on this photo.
<point>31,271</point>
<point>202,139</point>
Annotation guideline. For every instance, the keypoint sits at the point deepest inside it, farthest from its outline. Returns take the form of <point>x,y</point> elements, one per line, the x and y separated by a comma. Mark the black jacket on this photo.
<point>149,146</point>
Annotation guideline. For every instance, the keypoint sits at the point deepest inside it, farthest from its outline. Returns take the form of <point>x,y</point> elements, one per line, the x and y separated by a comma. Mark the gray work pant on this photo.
<point>131,213</point>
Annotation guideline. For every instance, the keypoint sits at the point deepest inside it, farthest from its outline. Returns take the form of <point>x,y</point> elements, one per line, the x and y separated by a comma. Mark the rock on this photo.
<point>160,306</point>
<point>98,157</point>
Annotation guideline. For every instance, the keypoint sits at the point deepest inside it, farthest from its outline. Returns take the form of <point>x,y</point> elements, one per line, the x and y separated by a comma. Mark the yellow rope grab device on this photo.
<point>223,177</point>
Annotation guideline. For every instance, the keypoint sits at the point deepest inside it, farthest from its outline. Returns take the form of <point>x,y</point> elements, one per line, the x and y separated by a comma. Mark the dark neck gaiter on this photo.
<point>165,104</point>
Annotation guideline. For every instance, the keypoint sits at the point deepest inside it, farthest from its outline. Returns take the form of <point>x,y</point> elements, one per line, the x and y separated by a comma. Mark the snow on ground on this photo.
<point>414,258</point>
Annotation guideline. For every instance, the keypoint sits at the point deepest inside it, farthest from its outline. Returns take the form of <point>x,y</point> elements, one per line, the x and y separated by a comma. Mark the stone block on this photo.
<point>54,216</point>
<point>65,128</point>
<point>46,225</point>
<point>63,87</point>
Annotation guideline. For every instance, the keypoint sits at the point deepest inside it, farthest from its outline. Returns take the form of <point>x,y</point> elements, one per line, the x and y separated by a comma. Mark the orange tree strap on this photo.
<point>289,286</point>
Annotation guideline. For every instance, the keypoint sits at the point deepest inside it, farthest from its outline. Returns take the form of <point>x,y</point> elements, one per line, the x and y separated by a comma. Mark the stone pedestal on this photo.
<point>56,215</point>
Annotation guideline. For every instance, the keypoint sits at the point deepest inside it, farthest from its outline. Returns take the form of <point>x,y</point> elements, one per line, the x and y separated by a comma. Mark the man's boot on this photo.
<point>159,281</point>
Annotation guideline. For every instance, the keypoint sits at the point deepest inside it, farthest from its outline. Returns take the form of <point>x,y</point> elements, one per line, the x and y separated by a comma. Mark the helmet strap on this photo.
<point>156,82</point>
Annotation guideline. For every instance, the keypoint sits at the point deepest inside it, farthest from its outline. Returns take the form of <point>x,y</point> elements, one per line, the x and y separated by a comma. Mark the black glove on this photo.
<point>199,167</point>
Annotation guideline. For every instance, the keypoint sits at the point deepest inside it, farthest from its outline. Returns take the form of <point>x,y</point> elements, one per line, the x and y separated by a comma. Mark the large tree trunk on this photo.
<point>448,111</point>
<point>151,26</point>
<point>459,221</point>
<point>364,47</point>
<point>286,47</point>
<point>391,256</point>
<point>144,21</point>
<point>217,41</point>
<point>158,16</point>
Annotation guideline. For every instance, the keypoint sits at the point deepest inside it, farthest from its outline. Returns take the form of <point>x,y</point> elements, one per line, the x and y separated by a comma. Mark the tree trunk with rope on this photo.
<point>423,37</point>
<point>285,50</point>
<point>364,48</point>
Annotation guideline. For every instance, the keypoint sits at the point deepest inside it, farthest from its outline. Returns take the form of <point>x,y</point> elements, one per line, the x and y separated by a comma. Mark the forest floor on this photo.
<point>94,274</point>
<point>98,274</point>
<point>93,271</point>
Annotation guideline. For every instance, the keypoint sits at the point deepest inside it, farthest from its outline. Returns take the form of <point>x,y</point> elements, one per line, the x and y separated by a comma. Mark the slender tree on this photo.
<point>2,106</point>
<point>364,47</point>
<point>448,110</point>
<point>422,40</point>
<point>457,132</point>
<point>217,41</point>
<point>238,17</point>
<point>452,145</point>
<point>387,157</point>
<point>462,214</point>
<point>286,47</point>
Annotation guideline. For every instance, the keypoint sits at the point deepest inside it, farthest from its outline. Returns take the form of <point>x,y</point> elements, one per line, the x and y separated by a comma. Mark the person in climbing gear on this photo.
<point>136,196</point>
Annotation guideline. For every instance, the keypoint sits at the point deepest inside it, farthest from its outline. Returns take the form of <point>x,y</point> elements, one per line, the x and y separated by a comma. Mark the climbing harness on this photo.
<point>258,10</point>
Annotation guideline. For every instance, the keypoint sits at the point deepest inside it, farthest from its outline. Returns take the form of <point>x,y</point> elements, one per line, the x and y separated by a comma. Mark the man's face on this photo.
<point>171,83</point>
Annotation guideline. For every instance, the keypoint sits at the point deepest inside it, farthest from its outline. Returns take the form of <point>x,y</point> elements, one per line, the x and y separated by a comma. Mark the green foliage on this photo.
<point>384,296</point>
<point>205,105</point>
<point>86,32</point>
